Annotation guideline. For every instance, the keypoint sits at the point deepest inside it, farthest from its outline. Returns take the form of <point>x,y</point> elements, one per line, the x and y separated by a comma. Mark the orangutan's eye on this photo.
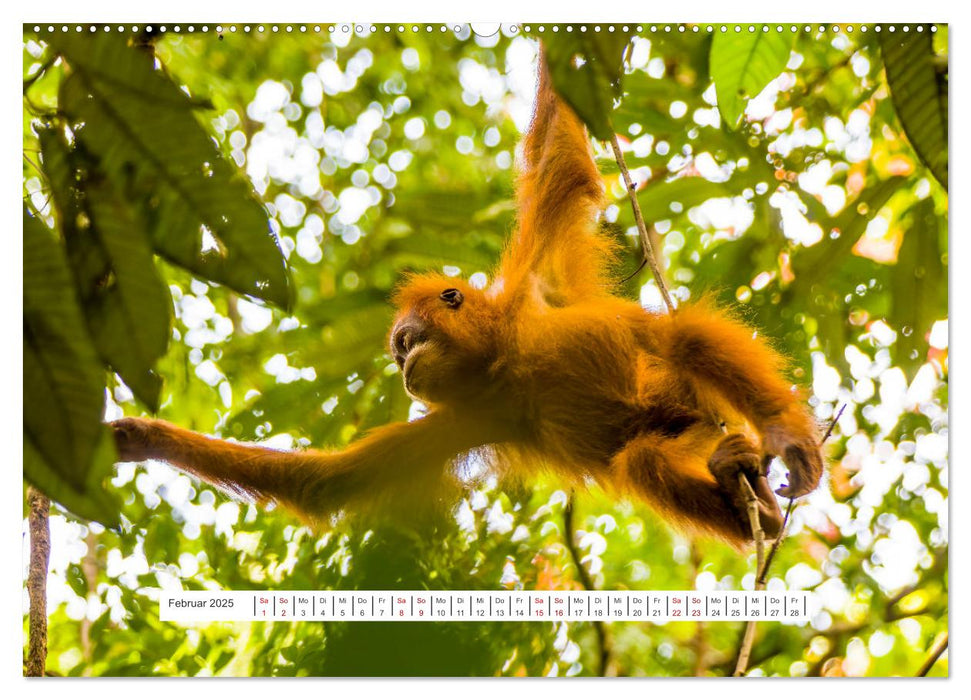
<point>452,297</point>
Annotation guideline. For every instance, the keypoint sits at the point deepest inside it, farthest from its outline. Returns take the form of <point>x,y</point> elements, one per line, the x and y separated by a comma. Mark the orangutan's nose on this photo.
<point>405,336</point>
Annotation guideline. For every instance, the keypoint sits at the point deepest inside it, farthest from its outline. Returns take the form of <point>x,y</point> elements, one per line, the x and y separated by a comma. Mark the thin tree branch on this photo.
<point>641,226</point>
<point>762,563</point>
<point>598,625</point>
<point>785,520</point>
<point>775,544</point>
<point>40,555</point>
<point>699,642</point>
<point>832,424</point>
<point>36,167</point>
<point>752,506</point>
<point>932,658</point>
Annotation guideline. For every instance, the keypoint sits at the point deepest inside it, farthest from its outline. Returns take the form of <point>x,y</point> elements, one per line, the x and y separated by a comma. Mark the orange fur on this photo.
<point>546,369</point>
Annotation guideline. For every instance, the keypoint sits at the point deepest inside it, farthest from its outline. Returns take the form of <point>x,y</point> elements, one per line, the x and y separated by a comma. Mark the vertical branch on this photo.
<point>641,226</point>
<point>598,625</point>
<point>785,520</point>
<point>762,563</point>
<point>775,545</point>
<point>40,554</point>
<point>699,642</point>
<point>758,534</point>
<point>752,504</point>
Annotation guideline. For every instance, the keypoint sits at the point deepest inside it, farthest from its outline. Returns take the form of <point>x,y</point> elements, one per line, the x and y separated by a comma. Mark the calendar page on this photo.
<point>368,349</point>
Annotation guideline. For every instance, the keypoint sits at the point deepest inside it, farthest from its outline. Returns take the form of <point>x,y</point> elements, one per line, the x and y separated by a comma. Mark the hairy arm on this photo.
<point>401,464</point>
<point>720,352</point>
<point>671,474</point>
<point>559,195</point>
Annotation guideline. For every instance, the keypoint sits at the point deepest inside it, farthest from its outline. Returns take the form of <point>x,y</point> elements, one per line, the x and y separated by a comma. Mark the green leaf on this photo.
<point>742,64</point>
<point>919,93</point>
<point>126,305</point>
<point>130,325</point>
<point>77,580</point>
<point>813,265</point>
<point>161,545</point>
<point>919,296</point>
<point>64,380</point>
<point>827,271</point>
<point>586,68</point>
<point>142,129</point>
<point>67,450</point>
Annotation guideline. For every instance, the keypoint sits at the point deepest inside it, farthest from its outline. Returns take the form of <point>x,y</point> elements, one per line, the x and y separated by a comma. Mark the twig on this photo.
<point>832,424</point>
<point>36,167</point>
<point>40,555</point>
<point>932,658</point>
<point>785,520</point>
<point>752,506</point>
<point>700,640</point>
<point>598,625</point>
<point>641,226</point>
<point>762,563</point>
<point>775,544</point>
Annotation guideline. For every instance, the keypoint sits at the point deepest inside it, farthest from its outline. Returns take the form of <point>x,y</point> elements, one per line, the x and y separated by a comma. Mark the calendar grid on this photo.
<point>459,606</point>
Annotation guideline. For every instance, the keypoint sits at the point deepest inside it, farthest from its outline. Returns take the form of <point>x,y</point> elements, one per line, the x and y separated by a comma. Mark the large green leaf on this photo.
<point>742,64</point>
<point>92,501</point>
<point>125,303</point>
<point>919,93</point>
<point>66,453</point>
<point>919,297</point>
<point>813,265</point>
<point>144,133</point>
<point>586,68</point>
<point>131,324</point>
